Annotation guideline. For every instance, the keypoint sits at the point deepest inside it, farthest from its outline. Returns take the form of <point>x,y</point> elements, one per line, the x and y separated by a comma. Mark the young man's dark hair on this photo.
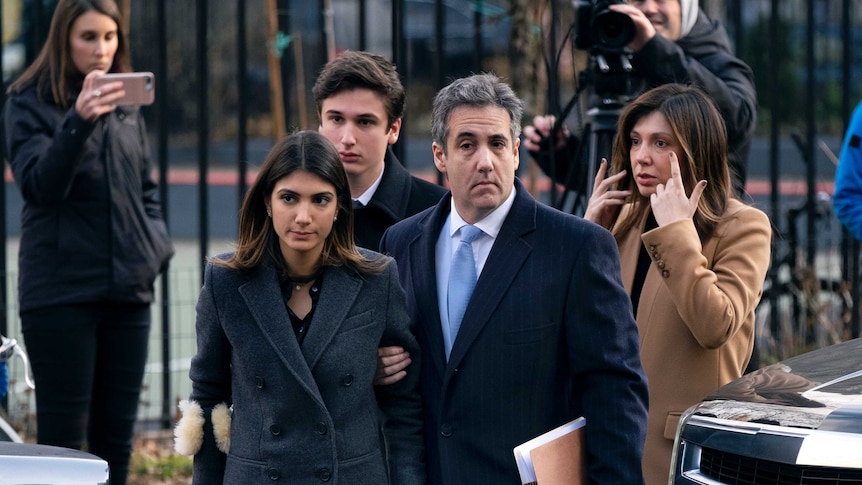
<point>354,69</point>
<point>360,102</point>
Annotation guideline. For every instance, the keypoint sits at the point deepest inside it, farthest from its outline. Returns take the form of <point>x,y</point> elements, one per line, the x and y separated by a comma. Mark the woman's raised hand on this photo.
<point>94,102</point>
<point>669,202</point>
<point>604,202</point>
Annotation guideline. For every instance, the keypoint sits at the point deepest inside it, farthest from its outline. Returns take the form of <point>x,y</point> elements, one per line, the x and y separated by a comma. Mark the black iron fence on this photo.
<point>232,76</point>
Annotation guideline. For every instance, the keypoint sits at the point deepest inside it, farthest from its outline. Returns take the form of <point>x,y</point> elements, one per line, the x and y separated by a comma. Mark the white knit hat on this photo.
<point>688,10</point>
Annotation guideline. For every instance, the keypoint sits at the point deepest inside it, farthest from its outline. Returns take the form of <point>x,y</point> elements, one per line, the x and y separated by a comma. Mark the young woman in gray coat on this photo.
<point>288,328</point>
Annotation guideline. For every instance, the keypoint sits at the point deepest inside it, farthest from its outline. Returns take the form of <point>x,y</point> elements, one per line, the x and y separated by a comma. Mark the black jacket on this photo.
<point>399,195</point>
<point>704,59</point>
<point>91,226</point>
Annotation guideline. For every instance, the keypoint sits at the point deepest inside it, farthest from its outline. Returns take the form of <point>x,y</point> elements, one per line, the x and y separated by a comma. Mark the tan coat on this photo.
<point>695,315</point>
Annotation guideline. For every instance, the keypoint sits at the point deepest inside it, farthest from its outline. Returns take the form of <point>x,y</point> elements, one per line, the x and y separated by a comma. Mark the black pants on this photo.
<point>88,363</point>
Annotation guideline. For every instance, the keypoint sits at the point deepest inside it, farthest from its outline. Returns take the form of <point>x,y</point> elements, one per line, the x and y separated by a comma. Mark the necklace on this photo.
<point>299,281</point>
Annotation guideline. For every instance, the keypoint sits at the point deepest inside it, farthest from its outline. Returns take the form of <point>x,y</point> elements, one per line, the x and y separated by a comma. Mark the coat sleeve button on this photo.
<point>259,382</point>
<point>446,430</point>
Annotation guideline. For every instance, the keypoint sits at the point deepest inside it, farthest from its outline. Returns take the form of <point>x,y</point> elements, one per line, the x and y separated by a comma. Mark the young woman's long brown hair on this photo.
<point>310,152</point>
<point>700,131</point>
<point>53,71</point>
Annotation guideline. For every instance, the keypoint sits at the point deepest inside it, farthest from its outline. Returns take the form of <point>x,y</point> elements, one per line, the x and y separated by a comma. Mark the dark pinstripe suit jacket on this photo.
<point>548,336</point>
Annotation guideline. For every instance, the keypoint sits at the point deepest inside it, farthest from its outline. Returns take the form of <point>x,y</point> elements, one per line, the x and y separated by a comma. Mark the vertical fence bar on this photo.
<point>775,194</point>
<point>38,37</point>
<point>203,133</point>
<point>399,56</point>
<point>162,155</point>
<point>439,61</point>
<point>242,99</point>
<point>363,21</point>
<point>287,72</point>
<point>810,135</point>
<point>478,46</point>
<point>439,57</point>
<point>552,99</point>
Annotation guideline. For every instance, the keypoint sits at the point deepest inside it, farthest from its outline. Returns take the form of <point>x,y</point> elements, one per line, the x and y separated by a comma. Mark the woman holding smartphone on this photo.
<point>93,238</point>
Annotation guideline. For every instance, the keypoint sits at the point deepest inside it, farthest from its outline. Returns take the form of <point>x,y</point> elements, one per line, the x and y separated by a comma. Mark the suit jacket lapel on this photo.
<point>424,272</point>
<point>262,295</point>
<point>338,292</point>
<point>508,254</point>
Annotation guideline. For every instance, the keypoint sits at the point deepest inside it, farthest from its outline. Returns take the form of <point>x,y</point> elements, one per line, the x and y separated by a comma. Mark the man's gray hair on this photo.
<point>479,91</point>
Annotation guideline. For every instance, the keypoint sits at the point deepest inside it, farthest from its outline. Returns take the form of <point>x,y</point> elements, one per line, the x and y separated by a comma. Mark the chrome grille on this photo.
<point>734,469</point>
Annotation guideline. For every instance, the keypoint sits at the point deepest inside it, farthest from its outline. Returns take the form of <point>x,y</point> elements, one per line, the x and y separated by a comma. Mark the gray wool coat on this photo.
<point>309,414</point>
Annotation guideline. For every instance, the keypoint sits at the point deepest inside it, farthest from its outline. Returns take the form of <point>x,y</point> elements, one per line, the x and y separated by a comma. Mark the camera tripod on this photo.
<point>610,91</point>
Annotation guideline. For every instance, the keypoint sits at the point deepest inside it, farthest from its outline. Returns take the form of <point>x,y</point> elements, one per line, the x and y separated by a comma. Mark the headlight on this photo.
<point>677,443</point>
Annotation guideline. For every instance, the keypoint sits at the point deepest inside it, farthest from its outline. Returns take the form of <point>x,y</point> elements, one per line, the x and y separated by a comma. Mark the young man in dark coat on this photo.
<point>360,102</point>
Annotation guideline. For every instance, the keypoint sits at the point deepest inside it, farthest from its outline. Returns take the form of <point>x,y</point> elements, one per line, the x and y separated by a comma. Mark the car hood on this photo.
<point>821,390</point>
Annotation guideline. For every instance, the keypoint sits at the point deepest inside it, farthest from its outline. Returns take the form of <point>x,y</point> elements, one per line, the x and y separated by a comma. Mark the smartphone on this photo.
<point>140,87</point>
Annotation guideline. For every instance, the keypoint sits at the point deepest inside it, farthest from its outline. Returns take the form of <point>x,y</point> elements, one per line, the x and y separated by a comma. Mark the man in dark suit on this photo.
<point>548,333</point>
<point>360,102</point>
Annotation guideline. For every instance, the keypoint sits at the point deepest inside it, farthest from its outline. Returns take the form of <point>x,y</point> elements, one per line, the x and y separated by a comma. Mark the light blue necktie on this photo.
<point>462,279</point>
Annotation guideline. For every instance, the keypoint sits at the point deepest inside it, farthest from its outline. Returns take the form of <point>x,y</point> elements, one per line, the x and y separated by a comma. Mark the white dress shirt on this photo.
<point>448,242</point>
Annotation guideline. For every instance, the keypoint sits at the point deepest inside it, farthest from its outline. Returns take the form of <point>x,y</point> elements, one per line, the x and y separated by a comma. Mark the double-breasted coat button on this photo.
<point>259,382</point>
<point>320,428</point>
<point>446,430</point>
<point>347,380</point>
<point>275,430</point>
<point>324,474</point>
<point>273,473</point>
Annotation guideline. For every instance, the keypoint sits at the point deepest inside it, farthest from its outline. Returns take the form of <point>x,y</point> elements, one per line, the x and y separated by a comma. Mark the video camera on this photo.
<point>600,27</point>
<point>608,82</point>
<point>604,34</point>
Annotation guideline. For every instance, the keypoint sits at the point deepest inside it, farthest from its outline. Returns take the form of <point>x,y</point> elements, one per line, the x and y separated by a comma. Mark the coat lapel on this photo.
<point>424,273</point>
<point>507,255</point>
<point>338,292</point>
<point>262,295</point>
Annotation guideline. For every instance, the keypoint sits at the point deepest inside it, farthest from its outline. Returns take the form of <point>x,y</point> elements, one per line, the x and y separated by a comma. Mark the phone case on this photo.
<point>140,87</point>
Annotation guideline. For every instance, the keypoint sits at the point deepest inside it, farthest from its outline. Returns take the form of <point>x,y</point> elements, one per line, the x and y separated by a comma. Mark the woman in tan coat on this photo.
<point>693,257</point>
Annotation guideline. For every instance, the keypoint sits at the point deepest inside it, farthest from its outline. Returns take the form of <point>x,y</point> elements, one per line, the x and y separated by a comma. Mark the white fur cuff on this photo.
<point>189,431</point>
<point>221,427</point>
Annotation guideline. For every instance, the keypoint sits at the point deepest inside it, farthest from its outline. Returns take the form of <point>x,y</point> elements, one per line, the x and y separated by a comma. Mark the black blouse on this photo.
<point>644,262</point>
<point>300,325</point>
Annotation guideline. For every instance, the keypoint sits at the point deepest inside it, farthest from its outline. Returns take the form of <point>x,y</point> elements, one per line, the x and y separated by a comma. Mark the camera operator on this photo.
<point>674,42</point>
